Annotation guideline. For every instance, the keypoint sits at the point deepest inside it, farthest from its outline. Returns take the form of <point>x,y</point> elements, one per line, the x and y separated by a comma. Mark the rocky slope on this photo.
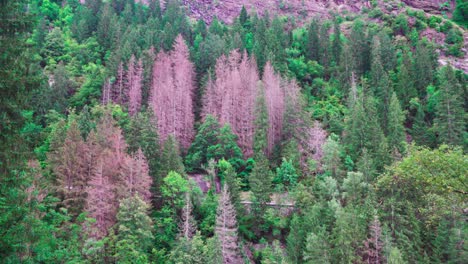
<point>228,10</point>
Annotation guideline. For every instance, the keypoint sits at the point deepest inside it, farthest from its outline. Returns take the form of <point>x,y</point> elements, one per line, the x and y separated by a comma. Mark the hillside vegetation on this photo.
<point>148,132</point>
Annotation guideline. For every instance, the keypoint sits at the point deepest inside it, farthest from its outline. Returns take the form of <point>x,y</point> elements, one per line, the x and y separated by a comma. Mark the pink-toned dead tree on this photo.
<point>71,170</point>
<point>134,84</point>
<point>135,175</point>
<point>274,97</point>
<point>118,88</point>
<point>226,228</point>
<point>373,246</point>
<point>172,92</point>
<point>106,92</point>
<point>231,96</point>
<point>100,204</point>
<point>298,126</point>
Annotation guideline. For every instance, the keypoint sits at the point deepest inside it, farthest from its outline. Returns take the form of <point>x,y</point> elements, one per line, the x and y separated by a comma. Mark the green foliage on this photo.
<point>460,14</point>
<point>134,231</point>
<point>213,142</point>
<point>286,174</point>
<point>450,118</point>
<point>423,189</point>
<point>51,77</point>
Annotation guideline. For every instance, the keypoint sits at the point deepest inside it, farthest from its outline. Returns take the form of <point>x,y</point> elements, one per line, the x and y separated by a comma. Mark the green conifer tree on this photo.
<point>134,238</point>
<point>450,122</point>
<point>395,129</point>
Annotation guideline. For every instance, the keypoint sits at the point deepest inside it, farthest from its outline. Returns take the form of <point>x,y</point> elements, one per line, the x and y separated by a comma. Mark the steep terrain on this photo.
<point>227,10</point>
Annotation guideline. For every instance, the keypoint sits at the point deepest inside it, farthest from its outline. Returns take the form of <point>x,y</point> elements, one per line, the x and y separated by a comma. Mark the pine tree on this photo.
<point>450,116</point>
<point>142,134</point>
<point>324,44</point>
<point>395,129</point>
<point>380,83</point>
<point>226,228</point>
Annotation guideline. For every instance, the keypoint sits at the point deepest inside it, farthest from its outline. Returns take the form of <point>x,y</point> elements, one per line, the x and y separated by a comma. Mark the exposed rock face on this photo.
<point>431,6</point>
<point>228,10</point>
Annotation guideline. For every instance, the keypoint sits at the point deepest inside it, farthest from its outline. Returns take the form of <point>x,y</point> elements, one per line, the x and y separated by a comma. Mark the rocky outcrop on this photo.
<point>432,6</point>
<point>228,10</point>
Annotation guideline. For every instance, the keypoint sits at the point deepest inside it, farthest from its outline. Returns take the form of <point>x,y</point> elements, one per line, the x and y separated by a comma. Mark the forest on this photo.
<point>131,132</point>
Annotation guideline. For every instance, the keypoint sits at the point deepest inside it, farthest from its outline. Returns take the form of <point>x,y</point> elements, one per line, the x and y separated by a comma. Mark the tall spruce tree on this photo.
<point>134,231</point>
<point>363,130</point>
<point>337,44</point>
<point>450,119</point>
<point>395,128</point>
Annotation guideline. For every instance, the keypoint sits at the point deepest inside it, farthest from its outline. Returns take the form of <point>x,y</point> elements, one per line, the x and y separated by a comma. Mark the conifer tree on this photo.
<point>313,41</point>
<point>359,46</point>
<point>206,139</point>
<point>187,224</point>
<point>142,134</point>
<point>450,116</point>
<point>274,97</point>
<point>226,228</point>
<point>373,246</point>
<point>170,158</point>
<point>423,68</point>
<point>134,231</point>
<point>405,87</point>
<point>135,174</point>
<point>243,17</point>
<point>100,202</point>
<point>337,44</point>
<point>172,94</point>
<point>234,88</point>
<point>395,129</point>
<point>363,131</point>
<point>331,163</point>
<point>261,124</point>
<point>70,170</point>
<point>134,84</point>
<point>317,250</point>
<point>421,132</point>
<point>230,178</point>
